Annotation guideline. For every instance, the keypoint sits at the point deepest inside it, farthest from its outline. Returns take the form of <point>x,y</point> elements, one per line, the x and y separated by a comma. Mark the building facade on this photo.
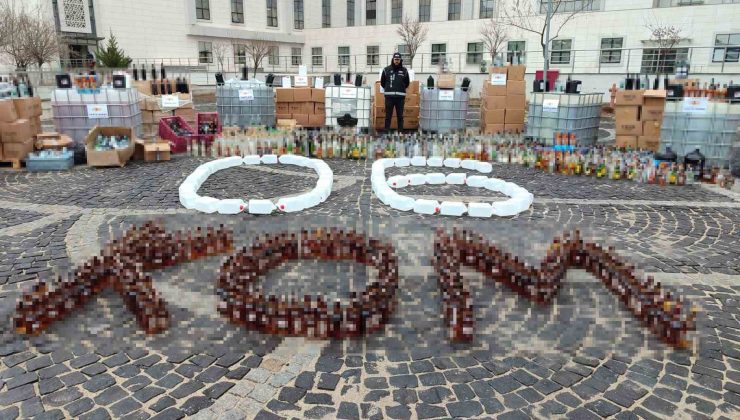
<point>612,37</point>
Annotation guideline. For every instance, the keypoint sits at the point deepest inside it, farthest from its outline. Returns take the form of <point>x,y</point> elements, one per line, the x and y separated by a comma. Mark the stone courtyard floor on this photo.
<point>585,356</point>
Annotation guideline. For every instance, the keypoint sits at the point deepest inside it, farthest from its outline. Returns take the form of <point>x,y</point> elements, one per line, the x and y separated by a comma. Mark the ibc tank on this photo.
<point>245,103</point>
<point>443,110</point>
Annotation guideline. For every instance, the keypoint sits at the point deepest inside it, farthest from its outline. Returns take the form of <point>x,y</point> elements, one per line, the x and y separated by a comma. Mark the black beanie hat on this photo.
<point>396,55</point>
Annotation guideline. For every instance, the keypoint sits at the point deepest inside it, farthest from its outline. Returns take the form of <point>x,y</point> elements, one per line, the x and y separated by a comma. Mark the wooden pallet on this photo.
<point>15,164</point>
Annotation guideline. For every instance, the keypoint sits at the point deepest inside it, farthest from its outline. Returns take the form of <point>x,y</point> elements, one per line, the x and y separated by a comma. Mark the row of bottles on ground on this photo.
<point>668,316</point>
<point>681,88</point>
<point>243,301</point>
<point>17,87</point>
<point>111,142</point>
<point>121,266</point>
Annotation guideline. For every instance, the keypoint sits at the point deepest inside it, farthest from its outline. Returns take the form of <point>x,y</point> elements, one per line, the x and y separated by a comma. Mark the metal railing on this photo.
<point>596,62</point>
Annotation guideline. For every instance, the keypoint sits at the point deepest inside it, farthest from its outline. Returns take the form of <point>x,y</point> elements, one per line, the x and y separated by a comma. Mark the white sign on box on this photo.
<point>550,105</point>
<point>696,105</point>
<point>302,70</point>
<point>301,81</point>
<point>446,95</point>
<point>286,81</point>
<point>246,94</point>
<point>97,111</point>
<point>170,101</point>
<point>348,93</point>
<point>498,79</point>
<point>318,82</point>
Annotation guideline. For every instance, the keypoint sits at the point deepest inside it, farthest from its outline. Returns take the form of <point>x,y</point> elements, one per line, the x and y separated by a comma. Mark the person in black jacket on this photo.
<point>395,80</point>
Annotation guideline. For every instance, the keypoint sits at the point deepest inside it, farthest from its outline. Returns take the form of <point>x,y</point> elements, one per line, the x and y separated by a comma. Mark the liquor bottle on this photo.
<point>136,73</point>
<point>162,72</point>
<point>154,73</point>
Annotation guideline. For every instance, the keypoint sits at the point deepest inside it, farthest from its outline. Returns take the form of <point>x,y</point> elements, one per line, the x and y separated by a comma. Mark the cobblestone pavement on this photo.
<point>582,357</point>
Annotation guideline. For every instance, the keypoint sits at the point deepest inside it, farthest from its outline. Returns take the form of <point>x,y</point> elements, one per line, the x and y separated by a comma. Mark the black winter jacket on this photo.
<point>395,80</point>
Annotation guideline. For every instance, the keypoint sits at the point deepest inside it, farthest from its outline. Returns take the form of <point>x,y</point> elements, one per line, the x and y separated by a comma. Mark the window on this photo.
<point>438,53</point>
<point>272,20</point>
<point>371,12</point>
<point>373,55</point>
<point>515,51</point>
<point>396,11</point>
<point>205,52</point>
<point>425,10</point>
<point>726,48</point>
<point>662,60</point>
<point>202,9</point>
<point>570,6</point>
<point>453,9</point>
<point>486,9</point>
<point>273,56</point>
<point>298,14</point>
<point>676,3</point>
<point>240,54</point>
<point>296,57</point>
<point>403,49</point>
<point>343,53</point>
<point>350,12</point>
<point>326,13</point>
<point>611,50</point>
<point>560,53</point>
<point>317,56</point>
<point>237,11</point>
<point>475,52</point>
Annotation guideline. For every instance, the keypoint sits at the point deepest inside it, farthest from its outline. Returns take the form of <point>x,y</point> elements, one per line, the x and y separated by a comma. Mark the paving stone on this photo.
<point>496,368</point>
<point>84,360</point>
<point>262,393</point>
<point>124,406</point>
<point>504,384</point>
<point>159,370</point>
<point>671,395</point>
<point>99,383</point>
<point>127,371</point>
<point>170,413</point>
<point>513,401</point>
<point>136,383</point>
<point>17,359</point>
<point>463,392</point>
<point>659,405</point>
<point>701,405</point>
<point>318,398</point>
<point>603,408</point>
<point>457,376</point>
<point>186,389</point>
<point>426,411</point>
<point>328,364</point>
<point>217,390</point>
<point>116,360</point>
<point>530,395</point>
<point>195,404</point>
<point>328,381</point>
<point>165,402</point>
<point>443,363</point>
<point>61,397</point>
<point>203,360</point>
<point>305,380</point>
<point>9,413</point>
<point>94,369</point>
<point>376,395</point>
<point>319,412</point>
<point>348,410</point>
<point>620,397</point>
<point>492,405</point>
<point>465,409</point>
<point>398,412</point>
<point>279,406</point>
<point>259,375</point>
<point>52,371</point>
<point>39,362</point>
<point>404,381</point>
<point>553,407</point>
<point>568,399</point>
<point>421,366</point>
<point>110,395</point>
<point>252,361</point>
<point>55,414</point>
<point>212,374</point>
<point>48,386</point>
<point>80,406</point>
<point>147,393</point>
<point>291,394</point>
<point>405,396</point>
<point>31,407</point>
<point>170,381</point>
<point>547,387</point>
<point>524,377</point>
<point>229,359</point>
<point>238,373</point>
<point>582,414</point>
<point>376,383</point>
<point>432,379</point>
<point>99,413</point>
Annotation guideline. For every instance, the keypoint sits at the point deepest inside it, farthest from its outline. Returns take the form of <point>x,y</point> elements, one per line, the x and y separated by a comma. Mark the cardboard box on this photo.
<point>379,111</point>
<point>142,86</point>
<point>411,111</point>
<point>411,122</point>
<point>283,95</point>
<point>309,108</point>
<point>150,130</point>
<point>629,97</point>
<point>186,114</point>
<point>319,108</point>
<point>516,72</point>
<point>109,157</point>
<point>7,111</point>
<point>412,100</point>
<point>288,123</point>
<point>35,125</point>
<point>301,119</point>
<point>316,120</point>
<point>147,117</point>
<point>627,113</point>
<point>629,128</point>
<point>414,88</point>
<point>654,97</point>
<point>282,108</point>
<point>302,94</point>
<point>626,142</point>
<point>514,128</point>
<point>296,108</point>
<point>652,113</point>
<point>27,108</point>
<point>651,129</point>
<point>446,81</point>
<point>286,116</point>
<point>17,150</point>
<point>491,90</point>
<point>493,129</point>
<point>50,141</point>
<point>516,102</point>
<point>492,116</point>
<point>515,87</point>
<point>152,151</point>
<point>17,131</point>
<point>499,70</point>
<point>648,143</point>
<point>514,116</point>
<point>495,102</point>
<point>318,95</point>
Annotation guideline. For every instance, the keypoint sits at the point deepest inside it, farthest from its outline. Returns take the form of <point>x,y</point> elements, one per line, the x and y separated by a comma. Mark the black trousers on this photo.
<point>394,102</point>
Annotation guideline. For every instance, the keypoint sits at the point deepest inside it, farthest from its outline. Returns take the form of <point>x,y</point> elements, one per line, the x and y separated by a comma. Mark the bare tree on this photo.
<point>493,34</point>
<point>413,33</point>
<point>258,49</point>
<point>220,51</point>
<point>14,31</point>
<point>545,18</point>
<point>43,42</point>
<point>666,37</point>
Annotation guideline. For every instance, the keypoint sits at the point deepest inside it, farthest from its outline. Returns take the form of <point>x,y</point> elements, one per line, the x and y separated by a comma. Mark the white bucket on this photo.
<point>261,207</point>
<point>422,206</point>
<point>452,208</point>
<point>435,178</point>
<point>456,179</point>
<point>480,210</point>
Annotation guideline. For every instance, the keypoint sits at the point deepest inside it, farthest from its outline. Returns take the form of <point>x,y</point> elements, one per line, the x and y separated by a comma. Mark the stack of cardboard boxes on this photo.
<point>639,116</point>
<point>411,108</point>
<point>503,100</point>
<point>152,110</point>
<point>20,121</point>
<point>305,105</point>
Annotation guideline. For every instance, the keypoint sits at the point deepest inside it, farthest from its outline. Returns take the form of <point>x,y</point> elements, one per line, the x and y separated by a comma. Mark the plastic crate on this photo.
<point>62,162</point>
<point>202,117</point>
<point>178,143</point>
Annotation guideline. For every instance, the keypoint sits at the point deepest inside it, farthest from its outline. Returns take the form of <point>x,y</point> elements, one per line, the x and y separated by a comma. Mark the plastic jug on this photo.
<point>455,179</point>
<point>484,167</point>
<point>417,179</point>
<point>452,163</point>
<point>261,207</point>
<point>231,162</point>
<point>206,204</point>
<point>505,208</point>
<point>422,206</point>
<point>287,159</point>
<point>480,210</point>
<point>452,208</point>
<point>435,162</point>
<point>696,160</point>
<point>398,181</point>
<point>469,164</point>
<point>291,204</point>
<point>476,181</point>
<point>436,178</point>
<point>269,159</point>
<point>400,202</point>
<point>494,184</point>
<point>418,161</point>
<point>231,206</point>
<point>251,160</point>
<point>402,162</point>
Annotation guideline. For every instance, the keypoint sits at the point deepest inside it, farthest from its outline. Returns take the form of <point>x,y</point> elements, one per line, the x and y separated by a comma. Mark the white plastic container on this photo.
<point>400,202</point>
<point>476,181</point>
<point>435,162</point>
<point>287,159</point>
<point>495,184</point>
<point>398,181</point>
<point>452,208</point>
<point>422,206</point>
<point>231,162</point>
<point>453,163</point>
<point>269,159</point>
<point>251,160</point>
<point>291,204</point>
<point>261,207</point>
<point>484,167</point>
<point>468,164</point>
<point>506,208</point>
<point>417,179</point>
<point>402,162</point>
<point>435,178</point>
<point>418,161</point>
<point>302,161</point>
<point>206,204</point>
<point>231,206</point>
<point>455,179</point>
<point>480,210</point>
